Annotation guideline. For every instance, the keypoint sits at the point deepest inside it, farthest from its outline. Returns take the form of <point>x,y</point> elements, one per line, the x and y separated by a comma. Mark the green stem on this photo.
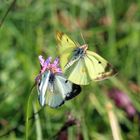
<point>27,114</point>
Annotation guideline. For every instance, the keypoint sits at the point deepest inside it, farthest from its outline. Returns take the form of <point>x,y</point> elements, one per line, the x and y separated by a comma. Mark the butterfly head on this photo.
<point>84,47</point>
<point>80,51</point>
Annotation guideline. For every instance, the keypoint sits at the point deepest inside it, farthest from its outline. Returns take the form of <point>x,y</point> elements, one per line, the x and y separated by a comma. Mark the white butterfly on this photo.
<point>53,88</point>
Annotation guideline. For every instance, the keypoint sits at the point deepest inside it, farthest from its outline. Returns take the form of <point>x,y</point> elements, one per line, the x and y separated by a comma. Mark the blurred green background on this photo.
<point>110,28</point>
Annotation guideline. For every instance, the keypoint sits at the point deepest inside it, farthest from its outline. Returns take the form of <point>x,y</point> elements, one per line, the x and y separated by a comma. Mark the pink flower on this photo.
<point>123,101</point>
<point>47,65</point>
<point>44,64</point>
<point>54,66</point>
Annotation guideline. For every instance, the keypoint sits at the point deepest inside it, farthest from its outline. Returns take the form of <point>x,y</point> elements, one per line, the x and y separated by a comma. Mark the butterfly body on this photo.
<point>81,65</point>
<point>80,51</point>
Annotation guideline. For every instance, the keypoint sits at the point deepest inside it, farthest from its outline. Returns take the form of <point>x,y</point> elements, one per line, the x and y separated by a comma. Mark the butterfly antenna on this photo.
<point>82,37</point>
<point>77,25</point>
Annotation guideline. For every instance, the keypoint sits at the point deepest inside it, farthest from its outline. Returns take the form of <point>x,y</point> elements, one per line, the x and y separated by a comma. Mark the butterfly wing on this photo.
<point>62,90</point>
<point>42,87</point>
<point>89,67</point>
<point>98,68</point>
<point>65,47</point>
<point>77,72</point>
<point>68,89</point>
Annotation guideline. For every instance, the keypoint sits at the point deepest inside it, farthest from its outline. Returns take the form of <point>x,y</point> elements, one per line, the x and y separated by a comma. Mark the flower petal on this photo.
<point>42,60</point>
<point>48,60</point>
<point>56,62</point>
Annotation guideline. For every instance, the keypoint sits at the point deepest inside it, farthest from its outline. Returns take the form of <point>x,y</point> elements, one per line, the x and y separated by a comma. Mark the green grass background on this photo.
<point>110,28</point>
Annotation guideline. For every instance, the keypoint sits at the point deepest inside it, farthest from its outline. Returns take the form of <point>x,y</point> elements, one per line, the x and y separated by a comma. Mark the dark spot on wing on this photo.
<point>76,89</point>
<point>66,81</point>
<point>99,62</point>
<point>67,40</point>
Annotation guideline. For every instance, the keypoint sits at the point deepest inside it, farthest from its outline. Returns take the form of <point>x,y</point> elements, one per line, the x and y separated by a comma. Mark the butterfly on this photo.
<point>80,65</point>
<point>52,86</point>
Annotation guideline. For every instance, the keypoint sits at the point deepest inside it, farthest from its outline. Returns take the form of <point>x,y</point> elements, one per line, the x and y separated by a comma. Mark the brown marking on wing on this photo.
<point>59,35</point>
<point>109,71</point>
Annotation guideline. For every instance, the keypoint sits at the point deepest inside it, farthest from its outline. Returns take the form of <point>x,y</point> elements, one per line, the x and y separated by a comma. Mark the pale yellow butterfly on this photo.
<point>80,65</point>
